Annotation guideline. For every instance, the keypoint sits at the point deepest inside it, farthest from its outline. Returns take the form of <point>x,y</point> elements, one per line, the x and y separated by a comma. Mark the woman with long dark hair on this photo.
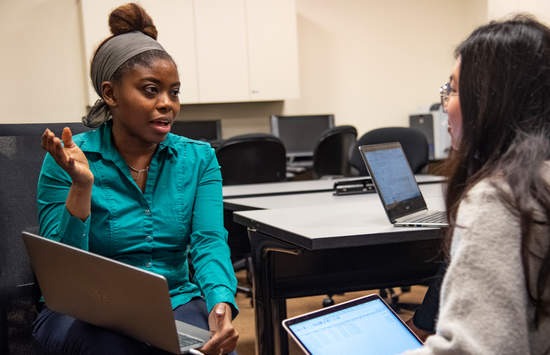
<point>495,297</point>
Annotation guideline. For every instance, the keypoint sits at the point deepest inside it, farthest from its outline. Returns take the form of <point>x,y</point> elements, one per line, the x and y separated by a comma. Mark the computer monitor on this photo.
<point>300,134</point>
<point>207,130</point>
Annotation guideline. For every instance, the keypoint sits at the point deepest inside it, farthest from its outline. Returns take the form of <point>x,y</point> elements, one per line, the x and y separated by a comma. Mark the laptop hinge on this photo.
<point>410,216</point>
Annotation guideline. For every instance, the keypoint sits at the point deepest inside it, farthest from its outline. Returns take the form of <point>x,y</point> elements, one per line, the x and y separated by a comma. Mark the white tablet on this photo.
<point>365,326</point>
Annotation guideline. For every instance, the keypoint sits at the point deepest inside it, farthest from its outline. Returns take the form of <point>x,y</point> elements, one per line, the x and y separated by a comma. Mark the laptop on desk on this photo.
<point>366,326</point>
<point>395,183</point>
<point>109,294</point>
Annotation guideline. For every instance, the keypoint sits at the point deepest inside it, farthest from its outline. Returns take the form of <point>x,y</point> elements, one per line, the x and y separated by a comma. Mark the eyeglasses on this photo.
<point>445,92</point>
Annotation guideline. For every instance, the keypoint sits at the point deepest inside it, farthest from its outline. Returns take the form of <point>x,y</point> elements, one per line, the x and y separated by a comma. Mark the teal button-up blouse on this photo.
<point>180,214</point>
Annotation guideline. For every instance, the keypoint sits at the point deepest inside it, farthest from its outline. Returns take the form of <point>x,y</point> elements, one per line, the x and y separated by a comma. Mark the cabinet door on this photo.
<point>176,33</point>
<point>95,27</point>
<point>222,59</point>
<point>272,49</point>
<point>175,25</point>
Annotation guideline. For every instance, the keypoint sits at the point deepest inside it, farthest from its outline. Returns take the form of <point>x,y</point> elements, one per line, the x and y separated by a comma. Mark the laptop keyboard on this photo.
<point>186,340</point>
<point>436,217</point>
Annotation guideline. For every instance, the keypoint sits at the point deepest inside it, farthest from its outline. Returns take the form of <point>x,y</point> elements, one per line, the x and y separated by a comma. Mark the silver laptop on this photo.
<point>395,183</point>
<point>365,326</point>
<point>109,294</point>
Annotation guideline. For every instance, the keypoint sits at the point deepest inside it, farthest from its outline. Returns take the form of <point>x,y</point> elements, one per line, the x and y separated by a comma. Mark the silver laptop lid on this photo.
<point>393,179</point>
<point>103,291</point>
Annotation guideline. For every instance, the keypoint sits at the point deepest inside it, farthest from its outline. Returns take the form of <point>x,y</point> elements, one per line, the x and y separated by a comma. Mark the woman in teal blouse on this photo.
<point>134,192</point>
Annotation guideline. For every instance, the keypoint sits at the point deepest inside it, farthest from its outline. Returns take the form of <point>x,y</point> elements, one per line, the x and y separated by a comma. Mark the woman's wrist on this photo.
<point>79,199</point>
<point>83,185</point>
<point>83,182</point>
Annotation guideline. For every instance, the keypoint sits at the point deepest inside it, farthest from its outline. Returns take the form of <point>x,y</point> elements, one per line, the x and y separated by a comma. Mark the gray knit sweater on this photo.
<point>485,307</point>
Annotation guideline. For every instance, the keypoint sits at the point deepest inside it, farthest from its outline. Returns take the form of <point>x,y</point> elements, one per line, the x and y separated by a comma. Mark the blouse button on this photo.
<point>147,212</point>
<point>148,264</point>
<point>149,238</point>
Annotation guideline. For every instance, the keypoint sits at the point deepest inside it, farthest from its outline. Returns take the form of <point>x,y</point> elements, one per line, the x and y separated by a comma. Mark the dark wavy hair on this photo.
<point>504,90</point>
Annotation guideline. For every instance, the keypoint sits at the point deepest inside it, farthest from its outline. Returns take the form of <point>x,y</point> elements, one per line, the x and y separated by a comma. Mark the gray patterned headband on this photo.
<point>109,57</point>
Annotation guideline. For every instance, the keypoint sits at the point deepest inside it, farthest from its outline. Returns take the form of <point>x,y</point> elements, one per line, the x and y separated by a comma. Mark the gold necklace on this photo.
<point>139,171</point>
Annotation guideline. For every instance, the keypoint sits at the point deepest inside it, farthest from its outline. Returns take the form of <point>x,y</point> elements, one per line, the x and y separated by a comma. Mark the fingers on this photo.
<point>223,341</point>
<point>53,145</point>
<point>67,137</point>
<point>46,136</point>
<point>225,336</point>
<point>212,346</point>
<point>229,344</point>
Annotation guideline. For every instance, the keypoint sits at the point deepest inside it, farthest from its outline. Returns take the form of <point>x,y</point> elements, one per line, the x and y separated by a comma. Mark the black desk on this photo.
<point>328,244</point>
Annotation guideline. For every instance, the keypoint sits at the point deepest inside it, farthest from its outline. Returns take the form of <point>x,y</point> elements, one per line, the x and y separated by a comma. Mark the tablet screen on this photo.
<point>364,328</point>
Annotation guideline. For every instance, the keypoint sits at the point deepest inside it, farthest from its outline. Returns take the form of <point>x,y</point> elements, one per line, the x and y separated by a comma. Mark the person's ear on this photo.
<point>108,92</point>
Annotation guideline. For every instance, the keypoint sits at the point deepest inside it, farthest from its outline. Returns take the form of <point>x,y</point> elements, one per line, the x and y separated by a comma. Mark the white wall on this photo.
<point>498,9</point>
<point>372,62</point>
<point>369,62</point>
<point>41,62</point>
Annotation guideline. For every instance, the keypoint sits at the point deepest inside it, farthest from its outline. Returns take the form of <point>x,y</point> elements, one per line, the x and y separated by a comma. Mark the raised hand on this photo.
<point>68,156</point>
<point>224,335</point>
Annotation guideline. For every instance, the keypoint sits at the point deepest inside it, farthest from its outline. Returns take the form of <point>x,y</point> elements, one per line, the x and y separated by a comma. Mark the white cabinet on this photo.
<point>246,50</point>
<point>226,50</point>
<point>222,58</point>
<point>176,32</point>
<point>175,24</point>
<point>95,28</point>
<point>272,49</point>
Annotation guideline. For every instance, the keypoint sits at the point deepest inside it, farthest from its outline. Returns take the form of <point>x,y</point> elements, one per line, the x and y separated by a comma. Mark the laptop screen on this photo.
<point>367,327</point>
<point>393,179</point>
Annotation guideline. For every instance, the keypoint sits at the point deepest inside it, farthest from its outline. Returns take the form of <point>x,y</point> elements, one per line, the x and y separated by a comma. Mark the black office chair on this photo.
<point>413,141</point>
<point>415,146</point>
<point>248,159</point>
<point>331,156</point>
<point>20,160</point>
<point>251,159</point>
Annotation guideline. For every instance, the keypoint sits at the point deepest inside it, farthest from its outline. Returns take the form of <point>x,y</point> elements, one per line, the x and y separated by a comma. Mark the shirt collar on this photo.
<point>99,141</point>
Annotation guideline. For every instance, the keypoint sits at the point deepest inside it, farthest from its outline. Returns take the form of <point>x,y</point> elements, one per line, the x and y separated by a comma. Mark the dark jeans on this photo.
<point>425,316</point>
<point>58,333</point>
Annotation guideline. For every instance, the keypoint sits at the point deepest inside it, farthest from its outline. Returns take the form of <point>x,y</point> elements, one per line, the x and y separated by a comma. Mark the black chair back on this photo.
<point>413,141</point>
<point>332,153</point>
<point>20,160</point>
<point>248,159</point>
<point>252,158</point>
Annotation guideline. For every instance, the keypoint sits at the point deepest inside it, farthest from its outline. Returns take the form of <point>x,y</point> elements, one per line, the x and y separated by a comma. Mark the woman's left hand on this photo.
<point>224,335</point>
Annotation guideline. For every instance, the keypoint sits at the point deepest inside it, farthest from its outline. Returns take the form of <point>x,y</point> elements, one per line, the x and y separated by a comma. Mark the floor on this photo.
<point>245,320</point>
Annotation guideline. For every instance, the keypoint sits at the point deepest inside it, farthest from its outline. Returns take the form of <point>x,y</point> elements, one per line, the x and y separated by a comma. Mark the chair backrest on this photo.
<point>332,152</point>
<point>20,160</point>
<point>252,158</point>
<point>413,141</point>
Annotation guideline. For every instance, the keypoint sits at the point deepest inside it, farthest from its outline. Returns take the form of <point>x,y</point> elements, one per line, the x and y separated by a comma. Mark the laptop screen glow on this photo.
<point>393,175</point>
<point>366,328</point>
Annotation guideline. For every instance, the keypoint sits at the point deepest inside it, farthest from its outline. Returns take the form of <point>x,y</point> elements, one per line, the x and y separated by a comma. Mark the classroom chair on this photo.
<point>252,159</point>
<point>331,156</point>
<point>21,159</point>
<point>413,141</point>
<point>248,159</point>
